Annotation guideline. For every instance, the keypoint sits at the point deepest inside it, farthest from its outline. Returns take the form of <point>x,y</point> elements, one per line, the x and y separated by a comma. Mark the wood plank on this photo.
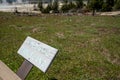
<point>6,73</point>
<point>24,70</point>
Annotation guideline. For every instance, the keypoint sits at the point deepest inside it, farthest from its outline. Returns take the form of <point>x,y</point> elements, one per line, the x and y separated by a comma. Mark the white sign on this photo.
<point>38,53</point>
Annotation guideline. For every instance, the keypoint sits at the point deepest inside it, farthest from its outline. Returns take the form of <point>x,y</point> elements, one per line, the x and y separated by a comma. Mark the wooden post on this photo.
<point>24,69</point>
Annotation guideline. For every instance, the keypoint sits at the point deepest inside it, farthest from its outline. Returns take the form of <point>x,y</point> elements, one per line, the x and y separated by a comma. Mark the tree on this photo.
<point>47,9</point>
<point>40,5</point>
<point>9,1</point>
<point>95,5</point>
<point>71,5</point>
<point>0,1</point>
<point>65,7</point>
<point>79,4</point>
<point>65,1</point>
<point>117,5</point>
<point>110,2</point>
<point>108,5</point>
<point>55,6</point>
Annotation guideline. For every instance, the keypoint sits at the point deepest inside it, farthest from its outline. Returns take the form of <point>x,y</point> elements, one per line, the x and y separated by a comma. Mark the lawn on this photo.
<point>89,47</point>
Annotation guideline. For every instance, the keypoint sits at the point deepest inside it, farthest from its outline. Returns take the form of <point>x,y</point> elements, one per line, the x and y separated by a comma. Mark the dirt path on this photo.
<point>110,13</point>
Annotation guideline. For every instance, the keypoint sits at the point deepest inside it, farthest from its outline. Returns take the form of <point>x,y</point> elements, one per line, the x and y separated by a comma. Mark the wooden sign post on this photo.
<point>36,53</point>
<point>24,69</point>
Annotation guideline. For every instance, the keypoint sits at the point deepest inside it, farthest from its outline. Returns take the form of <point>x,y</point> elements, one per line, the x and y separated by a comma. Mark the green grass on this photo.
<point>89,47</point>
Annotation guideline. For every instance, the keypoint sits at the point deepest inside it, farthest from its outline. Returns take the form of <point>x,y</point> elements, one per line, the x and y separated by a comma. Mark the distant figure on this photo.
<point>15,10</point>
<point>34,7</point>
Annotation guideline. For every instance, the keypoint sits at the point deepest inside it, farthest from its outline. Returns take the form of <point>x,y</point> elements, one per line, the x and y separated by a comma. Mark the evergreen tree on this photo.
<point>40,5</point>
<point>108,5</point>
<point>47,9</point>
<point>0,1</point>
<point>110,2</point>
<point>9,1</point>
<point>65,6</point>
<point>71,5</point>
<point>65,1</point>
<point>55,6</point>
<point>95,5</point>
<point>117,5</point>
<point>79,3</point>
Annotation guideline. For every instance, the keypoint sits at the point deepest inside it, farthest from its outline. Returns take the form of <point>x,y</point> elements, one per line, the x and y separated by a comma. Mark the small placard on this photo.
<point>39,54</point>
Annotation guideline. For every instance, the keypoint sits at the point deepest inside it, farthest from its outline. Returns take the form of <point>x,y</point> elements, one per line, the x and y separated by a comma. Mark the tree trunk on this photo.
<point>93,13</point>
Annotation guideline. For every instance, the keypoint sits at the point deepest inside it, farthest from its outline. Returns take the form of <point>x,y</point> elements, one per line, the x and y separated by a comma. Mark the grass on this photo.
<point>89,47</point>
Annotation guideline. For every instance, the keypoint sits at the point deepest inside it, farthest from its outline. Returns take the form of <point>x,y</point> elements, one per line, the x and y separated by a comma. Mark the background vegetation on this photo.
<point>92,5</point>
<point>89,47</point>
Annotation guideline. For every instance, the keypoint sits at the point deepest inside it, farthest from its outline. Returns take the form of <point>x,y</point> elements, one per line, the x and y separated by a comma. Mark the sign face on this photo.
<point>39,54</point>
